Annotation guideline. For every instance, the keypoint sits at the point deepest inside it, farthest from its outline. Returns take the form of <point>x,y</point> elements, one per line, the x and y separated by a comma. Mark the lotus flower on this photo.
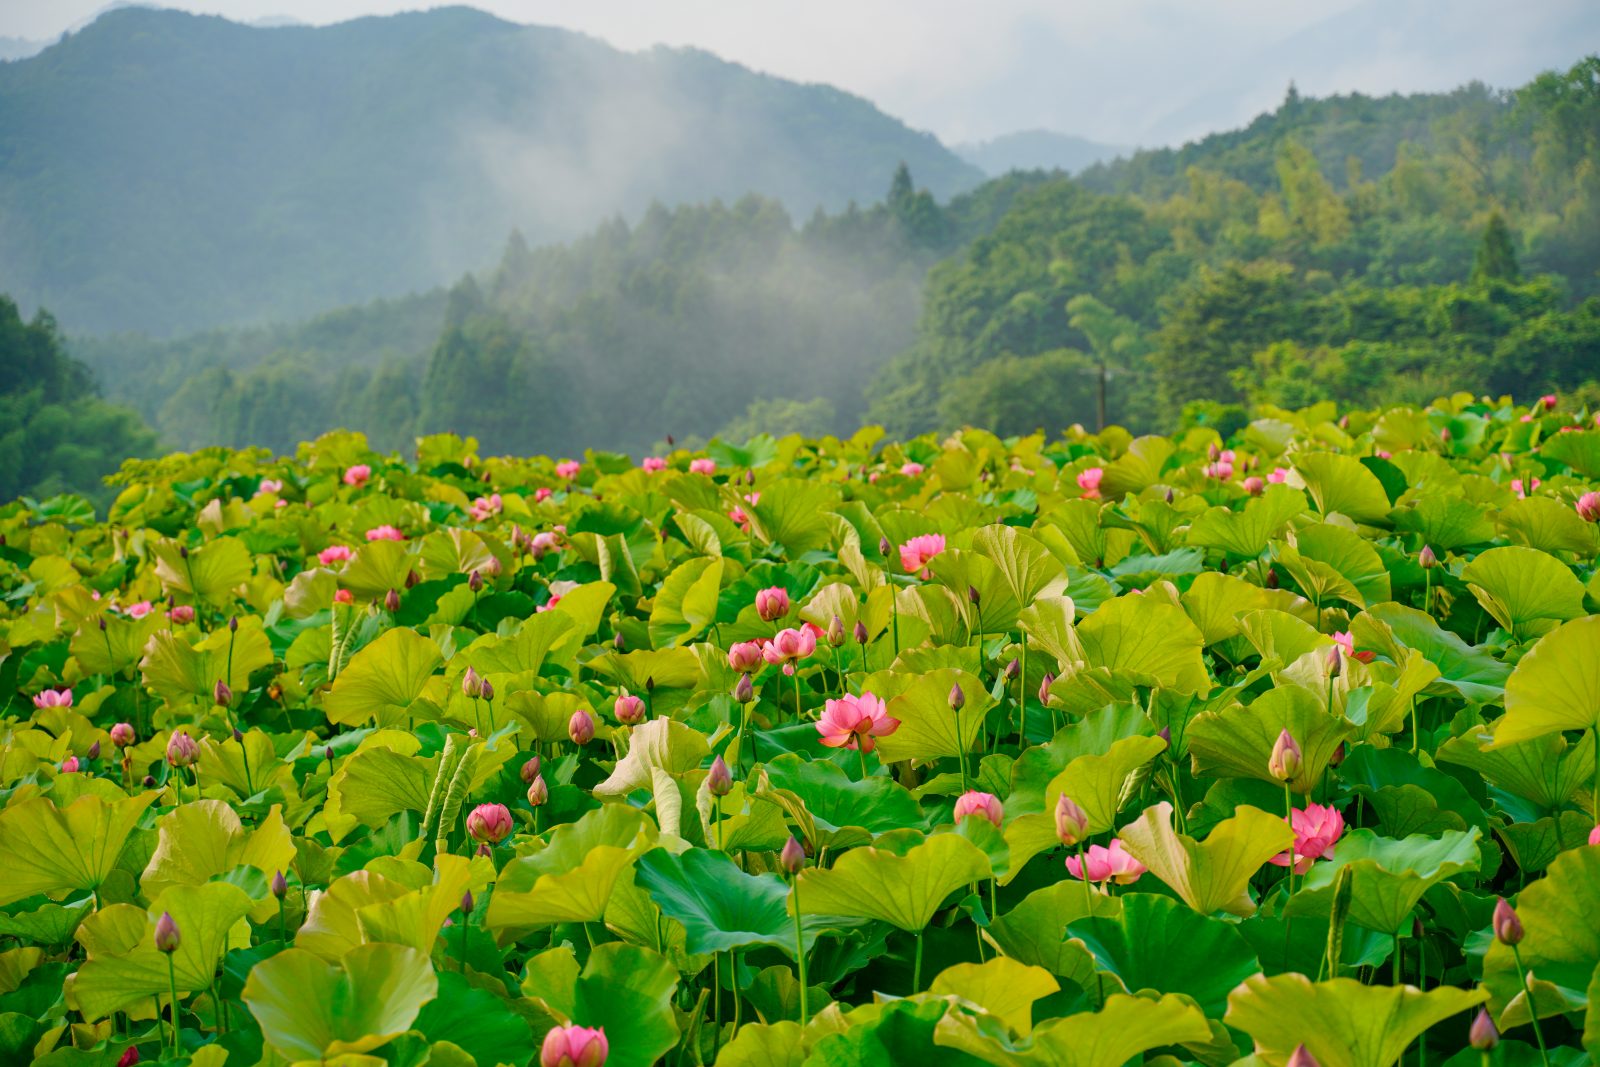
<point>167,936</point>
<point>385,533</point>
<point>181,749</point>
<point>1347,643</point>
<point>1286,758</point>
<point>1278,475</point>
<point>69,765</point>
<point>538,792</point>
<point>911,470</point>
<point>651,464</point>
<point>545,541</point>
<point>337,553</point>
<point>1589,507</point>
<point>53,698</point>
<point>856,722</point>
<point>983,805</point>
<point>1316,829</point>
<point>1112,863</point>
<point>1221,470</point>
<point>543,493</point>
<point>581,727</point>
<point>789,646</point>
<point>719,780</point>
<point>704,466</point>
<point>1507,927</point>
<point>129,1057</point>
<point>358,475</point>
<point>1089,481</point>
<point>1594,836</point>
<point>1072,822</point>
<point>1253,485</point>
<point>489,823</point>
<point>486,507</point>
<point>1548,401</point>
<point>182,614</point>
<point>915,553</point>
<point>628,709</point>
<point>344,596</point>
<point>1517,486</point>
<point>574,1046</point>
<point>568,469</point>
<point>745,656</point>
<point>793,857</point>
<point>739,516</point>
<point>772,604</point>
<point>122,734</point>
<point>139,610</point>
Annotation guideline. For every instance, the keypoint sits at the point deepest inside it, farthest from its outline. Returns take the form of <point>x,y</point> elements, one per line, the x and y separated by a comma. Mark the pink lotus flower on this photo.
<point>789,646</point>
<point>548,604</point>
<point>545,541</point>
<point>344,596</point>
<point>53,698</point>
<point>1548,401</point>
<point>1221,470</point>
<point>568,469</point>
<point>856,722</point>
<point>181,749</point>
<point>139,610</point>
<point>122,734</point>
<point>1381,454</point>
<point>1594,836</point>
<point>1517,488</point>
<point>915,553</point>
<point>1589,507</point>
<point>485,507</point>
<point>1315,831</point>
<point>745,656</point>
<point>628,709</point>
<point>385,533</point>
<point>336,553</point>
<point>574,1046</point>
<point>489,823</point>
<point>704,466</point>
<point>1279,475</point>
<point>543,493</point>
<point>1253,485</point>
<point>182,614</point>
<point>358,475</point>
<point>911,470</point>
<point>269,486</point>
<point>738,514</point>
<point>652,464</point>
<point>983,805</point>
<point>1104,864</point>
<point>772,604</point>
<point>1089,481</point>
<point>1348,644</point>
<point>69,765</point>
<point>580,727</point>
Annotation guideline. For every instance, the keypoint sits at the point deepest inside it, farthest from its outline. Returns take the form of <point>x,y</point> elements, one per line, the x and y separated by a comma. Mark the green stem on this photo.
<point>733,984</point>
<point>1083,872</point>
<point>894,610</point>
<point>1022,699</point>
<point>1594,732</point>
<point>283,925</point>
<point>172,986</point>
<point>862,752</point>
<point>800,954</point>
<point>797,695</point>
<point>1416,734</point>
<point>716,1000</point>
<point>1527,989</point>
<point>916,967</point>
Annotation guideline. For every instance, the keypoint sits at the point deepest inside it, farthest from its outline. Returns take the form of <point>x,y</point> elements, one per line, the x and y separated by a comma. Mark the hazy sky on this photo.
<point>1122,71</point>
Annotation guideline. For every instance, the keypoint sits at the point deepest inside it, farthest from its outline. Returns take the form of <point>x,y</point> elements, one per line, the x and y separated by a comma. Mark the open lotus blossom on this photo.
<point>651,464</point>
<point>385,533</point>
<point>740,517</point>
<point>1315,831</point>
<point>486,507</point>
<point>53,698</point>
<point>489,823</point>
<point>549,604</point>
<point>703,465</point>
<point>1107,864</point>
<point>545,541</point>
<point>911,470</point>
<point>1278,475</point>
<point>358,475</point>
<point>574,1046</point>
<point>856,722</point>
<point>983,805</point>
<point>336,554</point>
<point>789,646</point>
<point>1347,643</point>
<point>543,493</point>
<point>1089,481</point>
<point>139,610</point>
<point>344,596</point>
<point>1589,507</point>
<point>269,486</point>
<point>915,553</point>
<point>568,469</point>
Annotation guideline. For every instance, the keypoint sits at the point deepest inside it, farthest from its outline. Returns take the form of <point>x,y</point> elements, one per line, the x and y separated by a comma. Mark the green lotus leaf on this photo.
<point>383,680</point>
<point>1329,562</point>
<point>1342,484</point>
<point>1245,533</point>
<point>333,925</point>
<point>111,980</point>
<point>1579,450</point>
<point>1546,771</point>
<point>667,668</point>
<point>872,883</point>
<point>246,767</point>
<point>1149,639</point>
<point>202,840</point>
<point>312,1010</point>
<point>1003,987</point>
<point>1546,524</point>
<point>453,551</point>
<point>117,647</point>
<point>1389,875</point>
<point>377,567</point>
<point>622,989</point>
<point>661,753</point>
<point>889,1032</point>
<point>1215,602</point>
<point>1048,624</point>
<point>1342,1023</point>
<point>1533,845</point>
<point>474,1021</point>
<point>571,877</point>
<point>177,671</point>
<point>1214,874</point>
<point>49,849</point>
<point>1122,1029</point>
<point>832,809</point>
<point>415,918</point>
<point>379,780</point>
<point>1446,523</point>
<point>1026,566</point>
<point>928,729</point>
<point>1158,944</point>
<point>779,1044</point>
<point>1527,591</point>
<point>212,572</point>
<point>791,513</point>
<point>686,602</point>
<point>1034,932</point>
<point>48,924</point>
<point>1560,916</point>
<point>1465,671</point>
<point>549,636</point>
<point>1556,686</point>
<point>1237,741</point>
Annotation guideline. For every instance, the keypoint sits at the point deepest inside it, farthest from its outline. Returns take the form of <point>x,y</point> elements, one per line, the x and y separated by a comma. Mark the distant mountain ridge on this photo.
<point>1038,150</point>
<point>161,171</point>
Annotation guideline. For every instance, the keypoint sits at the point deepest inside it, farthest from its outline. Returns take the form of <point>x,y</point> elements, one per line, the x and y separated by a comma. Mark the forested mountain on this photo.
<point>164,171</point>
<point>1037,150</point>
<point>1257,266</point>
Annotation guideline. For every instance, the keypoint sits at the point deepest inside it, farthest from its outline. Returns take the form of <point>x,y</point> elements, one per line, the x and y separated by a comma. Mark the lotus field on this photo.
<point>1271,749</point>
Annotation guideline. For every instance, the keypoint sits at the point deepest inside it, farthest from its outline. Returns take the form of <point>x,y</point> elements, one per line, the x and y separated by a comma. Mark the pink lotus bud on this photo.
<point>1482,1035</point>
<point>1213,451</point>
<point>471,683</point>
<point>1013,669</point>
<point>1253,485</point>
<point>619,642</point>
<point>530,770</point>
<point>182,614</point>
<point>167,937</point>
<point>391,601</point>
<point>772,604</point>
<point>475,582</point>
<point>1301,1057</point>
<point>467,904</point>
<point>129,1057</point>
<point>984,805</point>
<point>836,632</point>
<point>719,781</point>
<point>1444,435</point>
<point>334,554</point>
<point>1594,836</point>
<point>221,695</point>
<point>1548,401</point>
<point>488,690</point>
<point>69,765</point>
<point>1165,733</point>
<point>629,709</point>
<point>489,823</point>
<point>957,699</point>
<point>860,632</point>
<point>1335,661</point>
<point>1072,822</point>
<point>344,596</point>
<point>1589,507</point>
<point>744,691</point>
<point>1044,687</point>
<point>1286,759</point>
<point>884,548</point>
<point>581,727</point>
<point>568,469</point>
<point>538,792</point>
<point>793,856</point>
<point>1089,481</point>
<point>1426,559</point>
<point>94,751</point>
<point>181,749</point>
<point>574,1046</point>
<point>745,656</point>
<point>1507,927</point>
<point>280,885</point>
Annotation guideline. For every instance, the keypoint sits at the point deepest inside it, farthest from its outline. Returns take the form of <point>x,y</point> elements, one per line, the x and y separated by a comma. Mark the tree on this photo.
<point>1016,395</point>
<point>1496,259</point>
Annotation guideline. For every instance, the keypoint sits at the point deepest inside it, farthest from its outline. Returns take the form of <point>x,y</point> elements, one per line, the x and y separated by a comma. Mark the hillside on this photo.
<point>1037,150</point>
<point>165,172</point>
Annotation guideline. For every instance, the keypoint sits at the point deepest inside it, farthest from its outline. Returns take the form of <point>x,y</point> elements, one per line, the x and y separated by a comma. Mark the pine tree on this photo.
<point>1497,258</point>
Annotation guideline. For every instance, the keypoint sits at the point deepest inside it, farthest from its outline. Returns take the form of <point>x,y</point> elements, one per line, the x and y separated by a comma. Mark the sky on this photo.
<point>1124,72</point>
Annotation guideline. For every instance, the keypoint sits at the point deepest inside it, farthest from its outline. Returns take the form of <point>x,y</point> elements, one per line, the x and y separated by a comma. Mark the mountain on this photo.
<point>161,171</point>
<point>19,48</point>
<point>1037,150</point>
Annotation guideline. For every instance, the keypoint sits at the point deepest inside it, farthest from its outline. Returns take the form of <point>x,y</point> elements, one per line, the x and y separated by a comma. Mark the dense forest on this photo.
<point>1349,248</point>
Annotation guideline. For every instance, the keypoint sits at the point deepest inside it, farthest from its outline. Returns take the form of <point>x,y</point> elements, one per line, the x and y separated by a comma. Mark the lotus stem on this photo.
<point>916,967</point>
<point>172,986</point>
<point>1083,872</point>
<point>800,952</point>
<point>1533,1012</point>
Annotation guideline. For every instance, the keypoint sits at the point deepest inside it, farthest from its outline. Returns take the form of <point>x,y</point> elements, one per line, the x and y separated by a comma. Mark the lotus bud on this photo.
<point>489,823</point>
<point>1272,578</point>
<point>793,856</point>
<point>1165,733</point>
<point>650,684</point>
<point>744,691</point>
<point>69,765</point>
<point>974,597</point>
<point>1213,450</point>
<point>1013,669</point>
<point>475,582</point>
<point>745,656</point>
<point>327,753</point>
<point>1444,435</point>
<point>1335,661</point>
<point>983,805</point>
<point>884,547</point>
<point>167,937</point>
<point>148,781</point>
<point>233,624</point>
<point>471,683</point>
<point>1072,822</point>
<point>129,1057</point>
<point>1589,507</point>
<point>488,690</point>
<point>1286,759</point>
<point>860,633</point>
<point>1427,559</point>
<point>530,770</point>
<point>1044,687</point>
<point>94,750</point>
<point>1507,927</point>
<point>628,709</point>
<point>1337,757</point>
<point>1301,1057</point>
<point>1594,836</point>
<point>102,624</point>
<point>467,903</point>
<point>772,604</point>
<point>485,849</point>
<point>574,1046</point>
<point>538,792</point>
<point>1171,496</point>
<point>222,695</point>
<point>181,749</point>
<point>1482,1035</point>
<point>619,642</point>
<point>581,727</point>
<point>391,601</point>
<point>412,578</point>
<point>280,885</point>
<point>183,551</point>
<point>836,632</point>
<point>719,781</point>
<point>958,699</point>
